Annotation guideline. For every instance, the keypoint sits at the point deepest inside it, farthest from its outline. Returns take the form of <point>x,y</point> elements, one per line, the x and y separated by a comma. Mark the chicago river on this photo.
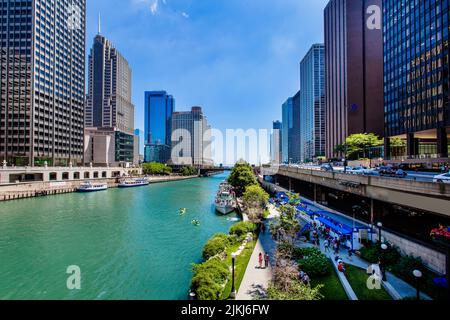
<point>129,244</point>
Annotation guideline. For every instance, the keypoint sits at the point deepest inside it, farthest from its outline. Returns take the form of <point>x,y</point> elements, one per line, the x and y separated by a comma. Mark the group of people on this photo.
<point>263,260</point>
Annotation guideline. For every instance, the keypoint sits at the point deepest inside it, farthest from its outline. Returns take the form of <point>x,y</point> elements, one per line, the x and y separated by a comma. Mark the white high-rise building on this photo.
<point>191,139</point>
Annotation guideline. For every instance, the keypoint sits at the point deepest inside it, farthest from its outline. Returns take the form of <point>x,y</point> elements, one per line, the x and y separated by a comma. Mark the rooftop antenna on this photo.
<point>99,24</point>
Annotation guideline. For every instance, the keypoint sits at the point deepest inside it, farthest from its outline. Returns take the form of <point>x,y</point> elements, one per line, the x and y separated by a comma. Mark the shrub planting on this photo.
<point>209,278</point>
<point>313,262</point>
<point>216,245</point>
<point>242,228</point>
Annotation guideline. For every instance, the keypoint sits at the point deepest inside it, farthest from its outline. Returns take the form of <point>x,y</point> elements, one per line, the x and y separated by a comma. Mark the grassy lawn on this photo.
<point>358,280</point>
<point>240,266</point>
<point>332,289</point>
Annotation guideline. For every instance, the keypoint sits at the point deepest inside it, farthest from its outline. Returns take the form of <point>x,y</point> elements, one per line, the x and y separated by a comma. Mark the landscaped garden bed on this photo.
<point>358,280</point>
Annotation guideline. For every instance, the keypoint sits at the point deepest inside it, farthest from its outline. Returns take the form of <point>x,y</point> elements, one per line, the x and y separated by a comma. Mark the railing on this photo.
<point>422,187</point>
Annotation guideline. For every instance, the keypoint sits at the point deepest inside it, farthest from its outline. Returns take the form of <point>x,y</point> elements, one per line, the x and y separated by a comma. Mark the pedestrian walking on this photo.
<point>327,246</point>
<point>261,258</point>
<point>266,260</point>
<point>263,228</point>
<point>350,254</point>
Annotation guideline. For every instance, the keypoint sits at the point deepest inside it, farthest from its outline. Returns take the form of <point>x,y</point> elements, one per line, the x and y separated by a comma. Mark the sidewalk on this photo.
<point>256,281</point>
<point>400,288</point>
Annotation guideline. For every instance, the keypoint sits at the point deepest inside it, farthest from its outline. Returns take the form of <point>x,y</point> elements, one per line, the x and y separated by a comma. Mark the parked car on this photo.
<point>442,178</point>
<point>358,170</point>
<point>390,171</point>
<point>326,167</point>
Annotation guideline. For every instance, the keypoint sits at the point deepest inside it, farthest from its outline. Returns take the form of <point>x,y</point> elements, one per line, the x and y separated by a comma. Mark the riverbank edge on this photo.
<point>49,188</point>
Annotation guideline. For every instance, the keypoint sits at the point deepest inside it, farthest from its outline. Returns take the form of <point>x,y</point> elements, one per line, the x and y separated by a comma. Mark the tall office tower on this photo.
<point>291,130</point>
<point>312,104</point>
<point>416,68</point>
<point>42,76</point>
<point>191,138</point>
<point>276,150</point>
<point>295,130</point>
<point>353,70</point>
<point>109,102</point>
<point>287,110</point>
<point>159,107</point>
<point>109,109</point>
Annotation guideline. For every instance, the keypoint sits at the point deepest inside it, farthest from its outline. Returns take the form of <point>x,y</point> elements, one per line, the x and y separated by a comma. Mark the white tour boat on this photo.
<point>130,183</point>
<point>92,187</point>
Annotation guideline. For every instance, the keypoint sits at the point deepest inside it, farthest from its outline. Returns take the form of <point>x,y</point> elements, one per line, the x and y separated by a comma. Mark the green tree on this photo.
<point>155,168</point>
<point>242,177</point>
<point>188,171</point>
<point>286,227</point>
<point>255,200</point>
<point>397,142</point>
<point>360,143</point>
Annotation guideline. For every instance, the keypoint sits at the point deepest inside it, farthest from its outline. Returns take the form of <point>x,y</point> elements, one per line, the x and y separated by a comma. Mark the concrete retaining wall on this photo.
<point>36,189</point>
<point>433,259</point>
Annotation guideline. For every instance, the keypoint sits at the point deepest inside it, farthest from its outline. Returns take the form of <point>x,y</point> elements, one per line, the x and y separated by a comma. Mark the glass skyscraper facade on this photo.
<point>416,75</point>
<point>312,104</point>
<point>288,120</point>
<point>42,74</point>
<point>159,107</point>
<point>290,135</point>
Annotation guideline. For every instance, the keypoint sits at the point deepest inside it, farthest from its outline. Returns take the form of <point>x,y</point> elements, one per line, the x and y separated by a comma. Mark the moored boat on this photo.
<point>92,187</point>
<point>225,202</point>
<point>130,183</point>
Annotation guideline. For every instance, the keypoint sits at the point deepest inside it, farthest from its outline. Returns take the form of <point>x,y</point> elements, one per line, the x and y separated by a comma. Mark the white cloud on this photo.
<point>154,7</point>
<point>152,4</point>
<point>184,14</point>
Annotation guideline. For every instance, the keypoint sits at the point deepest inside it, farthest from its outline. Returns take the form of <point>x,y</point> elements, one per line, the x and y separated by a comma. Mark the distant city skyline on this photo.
<point>219,67</point>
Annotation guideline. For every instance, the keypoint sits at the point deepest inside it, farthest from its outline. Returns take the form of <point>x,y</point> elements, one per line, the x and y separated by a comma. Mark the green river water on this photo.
<point>128,243</point>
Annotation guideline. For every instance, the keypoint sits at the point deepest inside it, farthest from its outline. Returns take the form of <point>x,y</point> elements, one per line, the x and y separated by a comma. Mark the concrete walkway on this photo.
<point>396,287</point>
<point>256,281</point>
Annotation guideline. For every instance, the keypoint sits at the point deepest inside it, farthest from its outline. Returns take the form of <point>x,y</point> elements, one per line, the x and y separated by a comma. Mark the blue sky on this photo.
<point>239,59</point>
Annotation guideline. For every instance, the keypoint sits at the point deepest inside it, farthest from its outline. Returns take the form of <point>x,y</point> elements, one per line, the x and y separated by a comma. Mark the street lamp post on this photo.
<point>380,226</point>
<point>233,287</point>
<point>418,275</point>
<point>384,247</point>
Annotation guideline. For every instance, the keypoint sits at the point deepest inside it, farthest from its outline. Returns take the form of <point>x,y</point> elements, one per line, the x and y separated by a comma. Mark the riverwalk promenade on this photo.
<point>256,281</point>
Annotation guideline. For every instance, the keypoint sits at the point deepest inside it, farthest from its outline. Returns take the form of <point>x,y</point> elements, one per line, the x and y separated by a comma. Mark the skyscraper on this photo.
<point>312,101</point>
<point>109,109</point>
<point>109,102</point>
<point>353,70</point>
<point>416,68</point>
<point>191,138</point>
<point>287,110</point>
<point>159,107</point>
<point>42,81</point>
<point>291,130</point>
<point>276,149</point>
